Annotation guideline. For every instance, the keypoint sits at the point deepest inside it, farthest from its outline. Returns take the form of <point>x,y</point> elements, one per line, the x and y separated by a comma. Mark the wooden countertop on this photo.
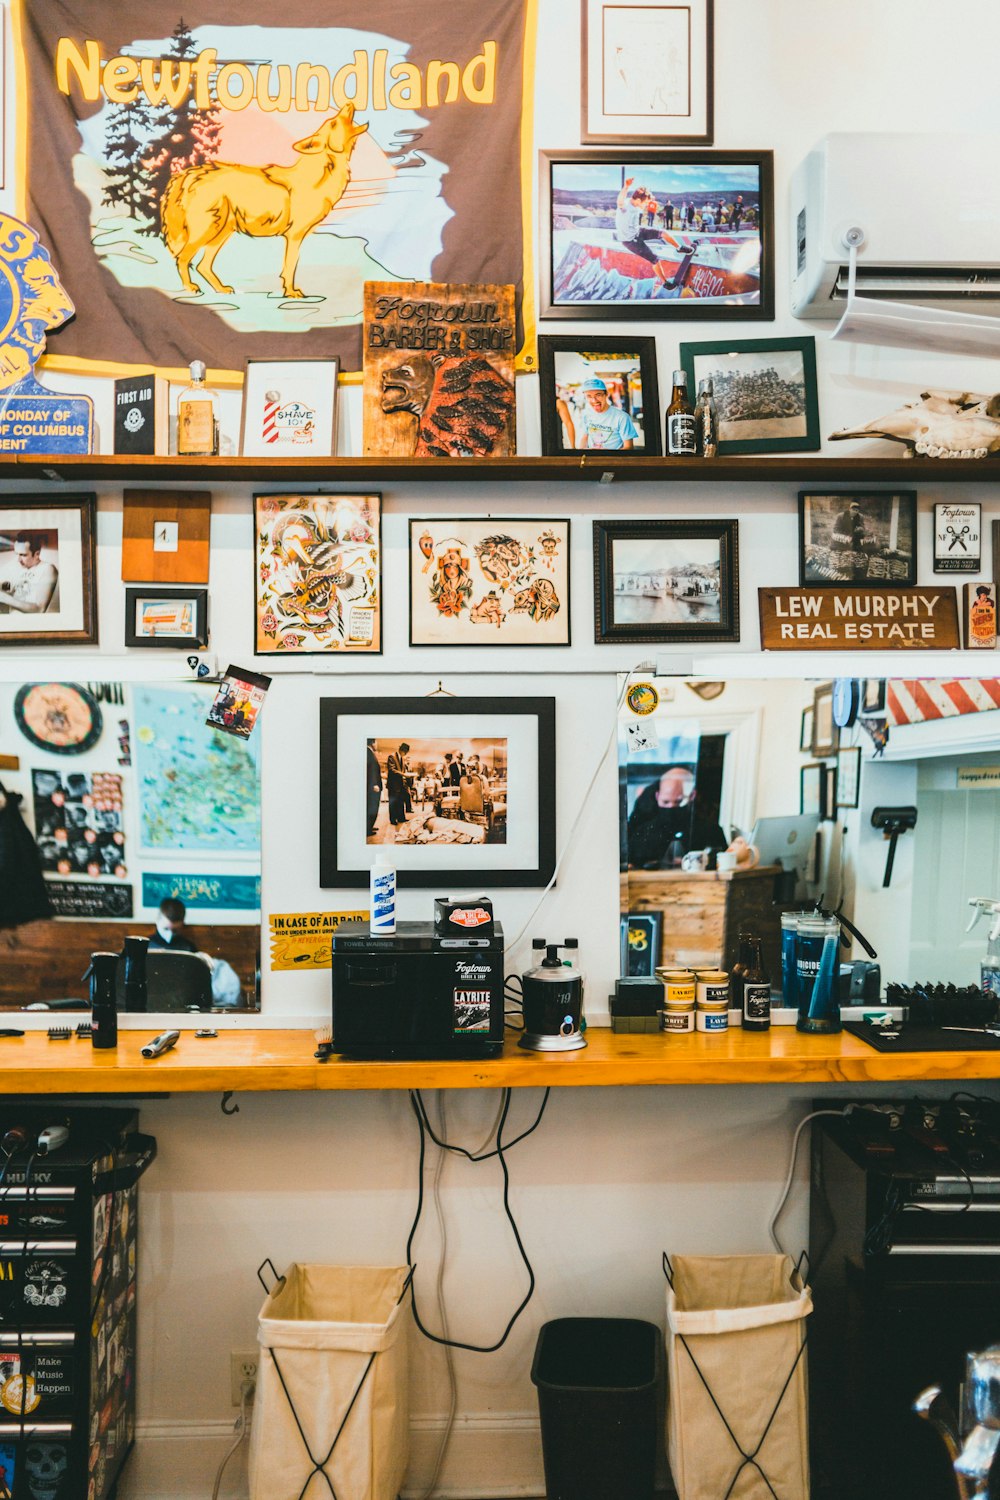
<point>259,1061</point>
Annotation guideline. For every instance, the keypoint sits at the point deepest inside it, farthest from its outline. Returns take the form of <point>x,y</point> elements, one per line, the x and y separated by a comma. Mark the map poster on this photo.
<point>301,940</point>
<point>199,892</point>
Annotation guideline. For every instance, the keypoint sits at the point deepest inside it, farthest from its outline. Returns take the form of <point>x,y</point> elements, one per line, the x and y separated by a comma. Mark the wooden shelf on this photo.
<point>263,472</point>
<point>269,1061</point>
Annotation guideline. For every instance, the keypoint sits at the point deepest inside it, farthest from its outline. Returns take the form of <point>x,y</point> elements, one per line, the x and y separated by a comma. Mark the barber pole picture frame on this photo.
<point>289,408</point>
<point>958,534</point>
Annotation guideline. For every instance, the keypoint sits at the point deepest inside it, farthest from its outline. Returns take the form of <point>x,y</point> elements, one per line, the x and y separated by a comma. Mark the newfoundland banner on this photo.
<point>225,188</point>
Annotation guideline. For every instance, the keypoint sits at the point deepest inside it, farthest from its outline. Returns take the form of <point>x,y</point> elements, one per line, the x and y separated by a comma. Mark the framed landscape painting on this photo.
<point>489,583</point>
<point>656,582</point>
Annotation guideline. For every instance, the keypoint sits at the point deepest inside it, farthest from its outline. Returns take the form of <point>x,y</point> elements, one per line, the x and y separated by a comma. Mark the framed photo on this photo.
<point>858,536</point>
<point>289,408</point>
<point>489,583</point>
<point>958,533</point>
<point>641,938</point>
<point>826,735</point>
<point>318,573</point>
<point>664,581</point>
<point>872,698</point>
<point>765,392</point>
<point>599,394</point>
<point>830,794</point>
<point>812,791</point>
<point>48,585</point>
<point>627,235</point>
<point>806,731</point>
<point>166,617</point>
<point>647,73</point>
<point>462,789</point>
<point>848,776</point>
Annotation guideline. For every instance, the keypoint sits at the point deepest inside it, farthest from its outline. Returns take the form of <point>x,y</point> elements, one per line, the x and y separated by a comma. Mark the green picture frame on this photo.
<point>792,386</point>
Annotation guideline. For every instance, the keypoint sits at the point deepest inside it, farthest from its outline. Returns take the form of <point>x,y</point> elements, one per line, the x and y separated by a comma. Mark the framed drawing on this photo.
<point>489,583</point>
<point>806,731</point>
<point>641,939</point>
<point>848,776</point>
<point>625,234</point>
<point>647,73</point>
<point>872,698</point>
<point>765,392</point>
<point>662,581</point>
<point>826,735</point>
<point>812,790</point>
<point>318,573</point>
<point>165,536</point>
<point>599,393</point>
<point>856,536</point>
<point>289,408</point>
<point>463,789</point>
<point>166,617</point>
<point>48,586</point>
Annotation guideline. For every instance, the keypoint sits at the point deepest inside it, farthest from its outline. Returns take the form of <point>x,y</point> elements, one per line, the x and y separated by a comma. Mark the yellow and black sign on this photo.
<point>301,940</point>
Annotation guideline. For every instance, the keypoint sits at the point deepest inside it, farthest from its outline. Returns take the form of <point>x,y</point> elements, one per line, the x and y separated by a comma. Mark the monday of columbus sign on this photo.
<point>224,188</point>
<point>862,619</point>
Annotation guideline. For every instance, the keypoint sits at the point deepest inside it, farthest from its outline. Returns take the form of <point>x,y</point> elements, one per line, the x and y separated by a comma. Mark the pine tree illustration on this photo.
<point>182,137</point>
<point>127,182</point>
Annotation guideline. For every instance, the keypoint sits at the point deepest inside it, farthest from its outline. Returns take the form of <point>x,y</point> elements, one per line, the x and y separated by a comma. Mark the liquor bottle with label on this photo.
<point>737,973</point>
<point>198,416</point>
<point>681,435</point>
<point>706,419</point>
<point>756,990</point>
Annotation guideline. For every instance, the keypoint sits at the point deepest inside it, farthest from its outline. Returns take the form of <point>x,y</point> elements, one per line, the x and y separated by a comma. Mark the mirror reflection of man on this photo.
<point>666,822</point>
<point>29,584</point>
<point>170,930</point>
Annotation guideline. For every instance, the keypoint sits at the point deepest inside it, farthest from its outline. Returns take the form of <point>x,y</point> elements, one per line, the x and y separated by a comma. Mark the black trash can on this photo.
<point>597,1381</point>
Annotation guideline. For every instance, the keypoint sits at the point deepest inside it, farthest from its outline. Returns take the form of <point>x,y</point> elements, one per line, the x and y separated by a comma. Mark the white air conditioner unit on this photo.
<point>924,211</point>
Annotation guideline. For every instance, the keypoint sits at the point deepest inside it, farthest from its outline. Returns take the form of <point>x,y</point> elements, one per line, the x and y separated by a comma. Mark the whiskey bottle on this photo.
<point>756,990</point>
<point>681,437</point>
<point>706,419</point>
<point>198,416</point>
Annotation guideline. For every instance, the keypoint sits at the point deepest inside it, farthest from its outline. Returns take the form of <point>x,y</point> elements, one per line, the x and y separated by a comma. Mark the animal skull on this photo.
<point>46,1464</point>
<point>940,424</point>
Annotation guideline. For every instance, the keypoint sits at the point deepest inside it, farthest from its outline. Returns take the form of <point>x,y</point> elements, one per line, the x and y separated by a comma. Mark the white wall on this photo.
<point>613,1176</point>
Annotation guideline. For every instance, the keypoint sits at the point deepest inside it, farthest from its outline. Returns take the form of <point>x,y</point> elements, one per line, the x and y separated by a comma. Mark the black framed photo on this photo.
<point>646,73</point>
<point>461,790</point>
<point>858,536</point>
<point>664,581</point>
<point>872,698</point>
<point>849,776</point>
<point>641,937</point>
<point>825,734</point>
<point>657,235</point>
<point>48,575</point>
<point>166,617</point>
<point>806,731</point>
<point>765,392</point>
<point>813,791</point>
<point>599,395</point>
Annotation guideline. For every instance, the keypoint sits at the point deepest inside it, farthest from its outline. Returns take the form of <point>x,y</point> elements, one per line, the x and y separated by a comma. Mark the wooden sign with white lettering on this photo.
<point>859,619</point>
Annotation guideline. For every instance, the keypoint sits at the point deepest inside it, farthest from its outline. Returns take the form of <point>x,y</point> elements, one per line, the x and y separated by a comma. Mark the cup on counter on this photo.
<point>726,860</point>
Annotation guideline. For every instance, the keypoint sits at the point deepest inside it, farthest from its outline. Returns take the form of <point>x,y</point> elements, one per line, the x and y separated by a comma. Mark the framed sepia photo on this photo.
<point>765,392</point>
<point>858,536</point>
<point>825,734</point>
<point>48,587</point>
<point>461,789</point>
<point>476,582</point>
<point>166,617</point>
<point>646,73</point>
<point>289,408</point>
<point>658,582</point>
<point>599,395</point>
<point>657,235</point>
<point>318,568</point>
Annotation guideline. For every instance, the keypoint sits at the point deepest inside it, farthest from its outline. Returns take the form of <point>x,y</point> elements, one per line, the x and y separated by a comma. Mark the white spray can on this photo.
<point>383,894</point>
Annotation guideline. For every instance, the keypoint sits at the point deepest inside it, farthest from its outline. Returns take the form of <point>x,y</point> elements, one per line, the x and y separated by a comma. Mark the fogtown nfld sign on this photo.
<point>859,619</point>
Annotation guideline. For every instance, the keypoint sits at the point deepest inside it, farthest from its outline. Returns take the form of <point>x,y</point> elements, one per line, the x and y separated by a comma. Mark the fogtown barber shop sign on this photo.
<point>858,619</point>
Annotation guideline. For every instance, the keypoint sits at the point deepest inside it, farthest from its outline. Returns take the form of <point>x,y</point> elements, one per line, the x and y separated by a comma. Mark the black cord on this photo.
<point>415,1095</point>
<point>420,1113</point>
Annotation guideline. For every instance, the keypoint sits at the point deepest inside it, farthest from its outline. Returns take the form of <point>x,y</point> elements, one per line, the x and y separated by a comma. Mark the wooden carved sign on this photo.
<point>859,619</point>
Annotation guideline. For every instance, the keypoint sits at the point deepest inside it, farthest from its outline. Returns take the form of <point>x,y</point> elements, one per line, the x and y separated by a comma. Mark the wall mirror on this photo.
<point>796,769</point>
<point>146,821</point>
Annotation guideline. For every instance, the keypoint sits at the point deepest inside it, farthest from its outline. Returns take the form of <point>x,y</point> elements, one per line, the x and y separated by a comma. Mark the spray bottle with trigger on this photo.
<point>989,968</point>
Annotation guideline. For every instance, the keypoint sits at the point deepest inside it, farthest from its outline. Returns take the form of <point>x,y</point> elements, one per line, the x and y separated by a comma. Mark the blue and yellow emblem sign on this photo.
<point>33,301</point>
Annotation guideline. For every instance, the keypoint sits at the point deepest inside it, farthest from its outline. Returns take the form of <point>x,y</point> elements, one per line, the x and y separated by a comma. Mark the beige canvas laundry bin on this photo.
<point>736,1377</point>
<point>331,1414</point>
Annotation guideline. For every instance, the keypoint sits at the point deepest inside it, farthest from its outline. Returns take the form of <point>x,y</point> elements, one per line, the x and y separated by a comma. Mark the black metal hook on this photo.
<point>225,1101</point>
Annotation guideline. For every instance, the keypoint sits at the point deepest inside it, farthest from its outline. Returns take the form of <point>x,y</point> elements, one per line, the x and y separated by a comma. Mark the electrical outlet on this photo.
<point>242,1367</point>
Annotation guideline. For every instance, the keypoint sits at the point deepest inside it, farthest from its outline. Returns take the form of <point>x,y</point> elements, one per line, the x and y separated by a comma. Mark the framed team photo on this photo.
<point>599,394</point>
<point>48,587</point>
<point>765,392</point>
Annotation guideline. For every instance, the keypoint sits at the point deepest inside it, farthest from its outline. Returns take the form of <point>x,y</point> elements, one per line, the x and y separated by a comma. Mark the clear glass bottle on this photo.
<point>706,419</point>
<point>756,1004</point>
<point>681,439</point>
<point>198,416</point>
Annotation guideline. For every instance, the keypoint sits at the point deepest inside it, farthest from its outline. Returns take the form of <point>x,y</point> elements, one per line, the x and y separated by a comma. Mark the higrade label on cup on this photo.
<point>712,1020</point>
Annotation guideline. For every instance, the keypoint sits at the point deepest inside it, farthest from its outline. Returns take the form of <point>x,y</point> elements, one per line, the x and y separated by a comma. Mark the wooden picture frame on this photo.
<point>180,623</point>
<point>787,419</point>
<point>826,735</point>
<point>806,731</point>
<point>882,523</point>
<point>289,407</point>
<point>566,362</point>
<point>683,33</point>
<point>638,960</point>
<point>165,536</point>
<point>849,776</point>
<point>415,803</point>
<point>872,698</point>
<point>647,588</point>
<point>56,586</point>
<point>630,279</point>
<point>812,790</point>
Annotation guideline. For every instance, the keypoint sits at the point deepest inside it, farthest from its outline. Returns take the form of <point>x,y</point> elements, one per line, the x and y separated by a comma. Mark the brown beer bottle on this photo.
<point>756,1004</point>
<point>738,973</point>
<point>682,441</point>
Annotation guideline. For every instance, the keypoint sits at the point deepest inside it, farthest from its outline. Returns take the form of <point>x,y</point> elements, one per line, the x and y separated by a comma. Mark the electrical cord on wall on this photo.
<point>772,1228</point>
<point>242,1430</point>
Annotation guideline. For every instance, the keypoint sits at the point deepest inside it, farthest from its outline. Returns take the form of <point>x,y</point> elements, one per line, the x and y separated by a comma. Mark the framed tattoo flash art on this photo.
<point>599,394</point>
<point>48,591</point>
<point>318,573</point>
<point>462,789</point>
<point>647,73</point>
<point>489,583</point>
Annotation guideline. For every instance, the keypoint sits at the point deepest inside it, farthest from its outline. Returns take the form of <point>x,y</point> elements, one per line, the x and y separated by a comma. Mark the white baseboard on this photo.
<point>490,1457</point>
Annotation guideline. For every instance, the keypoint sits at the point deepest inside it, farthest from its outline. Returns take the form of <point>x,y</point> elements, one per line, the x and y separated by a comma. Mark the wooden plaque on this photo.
<point>165,536</point>
<point>859,619</point>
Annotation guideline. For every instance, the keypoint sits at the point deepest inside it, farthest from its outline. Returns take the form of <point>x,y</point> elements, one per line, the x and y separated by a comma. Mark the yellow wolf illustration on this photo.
<point>204,205</point>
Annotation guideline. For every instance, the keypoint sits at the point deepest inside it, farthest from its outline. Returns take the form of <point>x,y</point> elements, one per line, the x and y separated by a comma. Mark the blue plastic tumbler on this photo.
<point>789,973</point>
<point>817,964</point>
